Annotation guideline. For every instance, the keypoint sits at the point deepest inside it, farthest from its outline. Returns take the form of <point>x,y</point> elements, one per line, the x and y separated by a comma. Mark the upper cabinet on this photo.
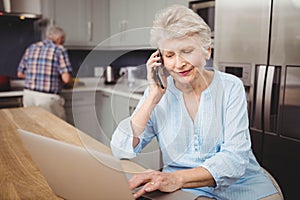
<point>84,21</point>
<point>107,23</point>
<point>128,24</point>
<point>131,20</point>
<point>100,22</point>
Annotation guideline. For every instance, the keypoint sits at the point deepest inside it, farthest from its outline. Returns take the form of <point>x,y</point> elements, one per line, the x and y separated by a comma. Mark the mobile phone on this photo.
<point>159,73</point>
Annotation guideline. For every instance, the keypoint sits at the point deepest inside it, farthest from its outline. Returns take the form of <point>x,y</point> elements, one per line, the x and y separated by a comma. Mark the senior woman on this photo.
<point>200,119</point>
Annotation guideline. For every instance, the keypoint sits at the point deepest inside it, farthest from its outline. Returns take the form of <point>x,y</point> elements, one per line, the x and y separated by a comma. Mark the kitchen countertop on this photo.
<point>20,177</point>
<point>11,93</point>
<point>120,88</point>
<point>92,84</point>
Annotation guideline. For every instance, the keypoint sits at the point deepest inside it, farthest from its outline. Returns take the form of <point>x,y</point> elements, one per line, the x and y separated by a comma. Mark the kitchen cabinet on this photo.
<point>84,21</point>
<point>180,2</point>
<point>91,112</point>
<point>110,23</point>
<point>122,107</point>
<point>151,154</point>
<point>131,20</point>
<point>99,112</point>
<point>81,111</point>
<point>99,22</point>
<point>104,115</point>
<point>127,23</point>
<point>68,107</point>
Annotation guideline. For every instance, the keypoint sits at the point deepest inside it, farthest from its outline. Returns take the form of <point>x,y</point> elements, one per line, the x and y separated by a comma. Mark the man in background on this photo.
<point>45,66</point>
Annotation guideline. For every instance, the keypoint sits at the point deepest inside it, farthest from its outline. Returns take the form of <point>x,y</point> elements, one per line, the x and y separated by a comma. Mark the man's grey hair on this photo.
<point>55,32</point>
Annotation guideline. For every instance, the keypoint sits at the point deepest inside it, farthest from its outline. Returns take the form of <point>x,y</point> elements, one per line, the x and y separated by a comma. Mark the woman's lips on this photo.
<point>184,73</point>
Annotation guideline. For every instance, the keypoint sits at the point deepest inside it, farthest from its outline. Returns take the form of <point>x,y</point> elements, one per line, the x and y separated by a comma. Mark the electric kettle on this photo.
<point>109,75</point>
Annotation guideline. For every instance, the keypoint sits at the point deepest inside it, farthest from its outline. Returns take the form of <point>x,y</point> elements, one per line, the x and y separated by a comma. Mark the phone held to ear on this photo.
<point>160,74</point>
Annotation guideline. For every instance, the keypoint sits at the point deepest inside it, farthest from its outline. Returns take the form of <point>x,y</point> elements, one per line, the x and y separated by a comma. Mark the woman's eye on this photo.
<point>168,55</point>
<point>187,51</point>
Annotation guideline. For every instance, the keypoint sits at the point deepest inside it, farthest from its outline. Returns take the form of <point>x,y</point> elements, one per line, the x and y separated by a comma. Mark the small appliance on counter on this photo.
<point>109,75</point>
<point>129,73</point>
<point>99,71</point>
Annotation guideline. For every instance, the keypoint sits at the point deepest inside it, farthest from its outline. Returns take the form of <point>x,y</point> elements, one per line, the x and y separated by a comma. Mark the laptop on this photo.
<point>75,172</point>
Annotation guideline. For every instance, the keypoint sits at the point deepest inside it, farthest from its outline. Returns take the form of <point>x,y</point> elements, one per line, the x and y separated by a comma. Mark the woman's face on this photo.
<point>183,58</point>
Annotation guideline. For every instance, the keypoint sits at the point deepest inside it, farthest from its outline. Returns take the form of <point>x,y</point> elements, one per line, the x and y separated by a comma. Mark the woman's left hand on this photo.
<point>155,180</point>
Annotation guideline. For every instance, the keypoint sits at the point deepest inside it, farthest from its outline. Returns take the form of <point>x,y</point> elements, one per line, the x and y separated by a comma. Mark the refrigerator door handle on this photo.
<point>268,97</point>
<point>261,71</point>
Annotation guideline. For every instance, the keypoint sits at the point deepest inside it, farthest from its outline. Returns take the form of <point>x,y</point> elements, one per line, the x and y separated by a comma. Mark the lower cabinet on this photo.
<point>122,107</point>
<point>105,118</point>
<point>150,157</point>
<point>99,113</point>
<point>82,112</point>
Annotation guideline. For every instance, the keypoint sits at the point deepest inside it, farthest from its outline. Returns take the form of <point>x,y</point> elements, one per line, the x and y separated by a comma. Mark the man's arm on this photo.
<point>21,75</point>
<point>66,77</point>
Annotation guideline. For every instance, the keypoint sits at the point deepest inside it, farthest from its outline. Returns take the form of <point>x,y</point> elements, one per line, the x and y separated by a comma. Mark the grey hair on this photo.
<point>178,21</point>
<point>55,32</point>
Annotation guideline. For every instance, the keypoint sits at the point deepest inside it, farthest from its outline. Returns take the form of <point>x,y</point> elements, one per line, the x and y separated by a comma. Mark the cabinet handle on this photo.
<point>123,27</point>
<point>52,22</point>
<point>90,31</point>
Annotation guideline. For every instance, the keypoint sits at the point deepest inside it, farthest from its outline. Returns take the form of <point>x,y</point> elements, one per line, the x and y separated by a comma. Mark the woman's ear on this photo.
<point>208,53</point>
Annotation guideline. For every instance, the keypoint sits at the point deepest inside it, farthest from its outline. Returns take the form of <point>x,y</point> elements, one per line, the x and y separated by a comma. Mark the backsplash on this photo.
<point>84,61</point>
<point>15,36</point>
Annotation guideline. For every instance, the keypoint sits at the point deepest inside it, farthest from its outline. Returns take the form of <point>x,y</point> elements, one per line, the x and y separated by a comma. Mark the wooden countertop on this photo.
<point>20,177</point>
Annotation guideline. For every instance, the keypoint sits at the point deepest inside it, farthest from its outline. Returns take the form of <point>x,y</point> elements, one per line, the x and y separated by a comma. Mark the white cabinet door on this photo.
<point>105,115</point>
<point>85,22</point>
<point>74,17</point>
<point>81,112</point>
<point>68,107</point>
<point>129,22</point>
<point>180,2</point>
<point>99,24</point>
<point>86,120</point>
<point>123,107</point>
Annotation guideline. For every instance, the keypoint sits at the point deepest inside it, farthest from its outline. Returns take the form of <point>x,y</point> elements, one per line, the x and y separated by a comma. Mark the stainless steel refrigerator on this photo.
<point>259,41</point>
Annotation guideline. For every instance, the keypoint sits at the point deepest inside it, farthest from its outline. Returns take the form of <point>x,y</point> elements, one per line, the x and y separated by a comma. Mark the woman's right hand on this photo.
<point>155,89</point>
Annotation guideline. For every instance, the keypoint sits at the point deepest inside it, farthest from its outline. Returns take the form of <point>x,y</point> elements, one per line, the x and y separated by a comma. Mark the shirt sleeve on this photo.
<point>64,62</point>
<point>230,163</point>
<point>121,143</point>
<point>22,64</point>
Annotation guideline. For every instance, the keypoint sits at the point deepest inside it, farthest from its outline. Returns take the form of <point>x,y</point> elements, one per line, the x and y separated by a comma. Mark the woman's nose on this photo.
<point>180,61</point>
